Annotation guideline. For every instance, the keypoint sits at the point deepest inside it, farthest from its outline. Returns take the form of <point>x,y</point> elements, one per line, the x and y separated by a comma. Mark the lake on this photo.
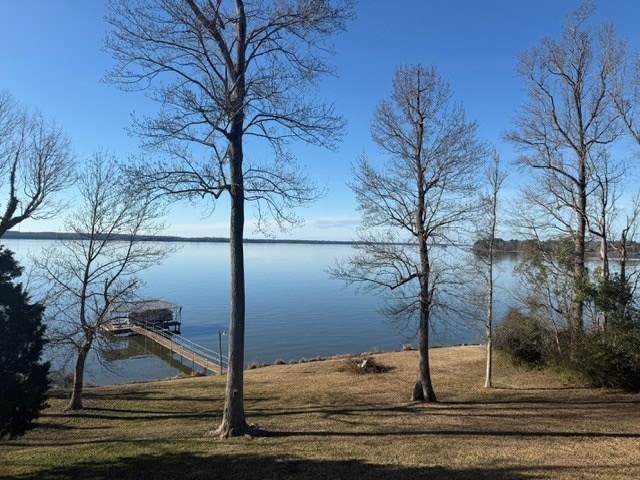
<point>294,309</point>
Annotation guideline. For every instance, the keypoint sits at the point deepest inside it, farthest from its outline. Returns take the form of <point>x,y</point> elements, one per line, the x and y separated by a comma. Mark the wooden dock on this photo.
<point>160,321</point>
<point>189,351</point>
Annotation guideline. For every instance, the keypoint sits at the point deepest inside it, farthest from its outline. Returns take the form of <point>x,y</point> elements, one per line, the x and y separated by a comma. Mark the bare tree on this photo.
<point>94,270</point>
<point>35,164</point>
<point>414,201</point>
<point>607,179</point>
<point>226,71</point>
<point>490,200</point>
<point>628,233</point>
<point>569,114</point>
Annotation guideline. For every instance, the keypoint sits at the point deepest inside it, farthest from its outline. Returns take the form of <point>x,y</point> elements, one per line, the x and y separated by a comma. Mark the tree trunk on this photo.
<point>489,371</point>
<point>604,275</point>
<point>423,389</point>
<point>623,256</point>
<point>233,418</point>
<point>8,221</point>
<point>78,379</point>
<point>487,380</point>
<point>495,180</point>
<point>579,271</point>
<point>604,257</point>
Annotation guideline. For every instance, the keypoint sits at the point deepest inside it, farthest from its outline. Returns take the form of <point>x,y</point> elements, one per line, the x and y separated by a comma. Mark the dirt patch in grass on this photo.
<point>325,422</point>
<point>363,365</point>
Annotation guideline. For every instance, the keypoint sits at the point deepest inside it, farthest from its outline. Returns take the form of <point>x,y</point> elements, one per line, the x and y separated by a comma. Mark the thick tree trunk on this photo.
<point>78,380</point>
<point>7,221</point>
<point>423,389</point>
<point>233,418</point>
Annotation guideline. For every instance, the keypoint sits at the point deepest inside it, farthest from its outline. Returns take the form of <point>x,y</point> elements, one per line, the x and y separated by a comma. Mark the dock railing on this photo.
<point>205,353</point>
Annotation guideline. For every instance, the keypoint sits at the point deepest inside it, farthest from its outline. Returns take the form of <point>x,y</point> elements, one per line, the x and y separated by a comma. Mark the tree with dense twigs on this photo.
<point>93,271</point>
<point>414,200</point>
<point>36,164</point>
<point>568,122</point>
<point>224,72</point>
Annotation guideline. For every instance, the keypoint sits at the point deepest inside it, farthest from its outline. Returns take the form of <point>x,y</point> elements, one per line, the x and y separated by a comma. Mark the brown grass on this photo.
<point>327,423</point>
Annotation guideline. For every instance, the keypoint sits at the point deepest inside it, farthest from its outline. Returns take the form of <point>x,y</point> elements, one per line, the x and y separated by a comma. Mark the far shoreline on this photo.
<point>13,235</point>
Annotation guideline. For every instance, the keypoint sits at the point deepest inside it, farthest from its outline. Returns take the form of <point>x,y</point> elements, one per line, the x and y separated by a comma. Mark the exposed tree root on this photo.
<point>423,393</point>
<point>226,430</point>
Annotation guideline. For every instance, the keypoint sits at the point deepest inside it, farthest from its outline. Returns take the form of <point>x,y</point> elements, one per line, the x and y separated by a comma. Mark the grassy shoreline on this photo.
<point>325,422</point>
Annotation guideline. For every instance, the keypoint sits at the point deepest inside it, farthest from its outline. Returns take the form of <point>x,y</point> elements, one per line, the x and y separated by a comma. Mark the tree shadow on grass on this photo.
<point>480,408</point>
<point>232,467</point>
<point>131,415</point>
<point>440,432</point>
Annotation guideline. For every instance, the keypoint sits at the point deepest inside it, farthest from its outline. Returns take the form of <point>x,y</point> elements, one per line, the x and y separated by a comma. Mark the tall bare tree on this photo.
<point>569,114</point>
<point>490,200</point>
<point>36,163</point>
<point>225,71</point>
<point>96,269</point>
<point>414,200</point>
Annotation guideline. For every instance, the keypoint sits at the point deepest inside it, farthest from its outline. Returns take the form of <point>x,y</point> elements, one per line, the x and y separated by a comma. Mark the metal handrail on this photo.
<point>207,353</point>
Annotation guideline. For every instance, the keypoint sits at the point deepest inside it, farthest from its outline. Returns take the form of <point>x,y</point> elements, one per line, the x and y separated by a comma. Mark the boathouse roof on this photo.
<point>143,306</point>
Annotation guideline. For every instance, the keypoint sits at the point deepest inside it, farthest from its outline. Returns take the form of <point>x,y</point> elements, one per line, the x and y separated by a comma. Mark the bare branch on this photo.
<point>35,164</point>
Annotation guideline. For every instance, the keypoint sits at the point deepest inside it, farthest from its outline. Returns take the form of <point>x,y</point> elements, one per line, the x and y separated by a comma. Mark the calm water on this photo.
<point>294,310</point>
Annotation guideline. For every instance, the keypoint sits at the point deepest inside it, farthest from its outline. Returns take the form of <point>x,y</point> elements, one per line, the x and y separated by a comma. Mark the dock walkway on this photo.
<point>210,360</point>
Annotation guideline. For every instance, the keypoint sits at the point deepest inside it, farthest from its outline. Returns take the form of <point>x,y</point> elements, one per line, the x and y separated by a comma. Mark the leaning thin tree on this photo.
<point>225,71</point>
<point>94,270</point>
<point>414,201</point>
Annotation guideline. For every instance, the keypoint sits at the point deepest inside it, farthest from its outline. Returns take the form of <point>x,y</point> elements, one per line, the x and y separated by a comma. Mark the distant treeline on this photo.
<point>12,235</point>
<point>516,246</point>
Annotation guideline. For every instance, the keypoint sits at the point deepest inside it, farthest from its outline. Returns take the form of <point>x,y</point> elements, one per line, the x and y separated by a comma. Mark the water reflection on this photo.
<point>121,348</point>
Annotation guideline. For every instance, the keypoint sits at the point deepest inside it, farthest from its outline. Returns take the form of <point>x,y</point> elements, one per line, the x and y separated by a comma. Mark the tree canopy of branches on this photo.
<point>563,131</point>
<point>225,71</point>
<point>89,275</point>
<point>417,198</point>
<point>23,376</point>
<point>35,164</point>
<point>625,92</point>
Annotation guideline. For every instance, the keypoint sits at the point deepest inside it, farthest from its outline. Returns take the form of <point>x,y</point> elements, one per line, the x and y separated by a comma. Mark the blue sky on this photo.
<point>51,58</point>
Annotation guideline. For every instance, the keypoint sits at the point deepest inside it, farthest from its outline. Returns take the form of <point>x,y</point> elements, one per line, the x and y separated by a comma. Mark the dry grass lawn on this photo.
<point>324,422</point>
